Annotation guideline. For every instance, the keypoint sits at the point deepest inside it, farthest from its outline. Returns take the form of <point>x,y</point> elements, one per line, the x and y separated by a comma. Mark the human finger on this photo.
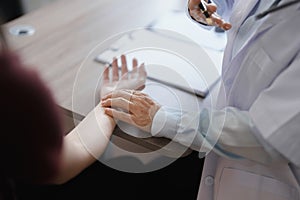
<point>214,20</point>
<point>124,67</point>
<point>226,26</point>
<point>119,115</point>
<point>129,95</point>
<point>126,94</point>
<point>106,74</point>
<point>198,16</point>
<point>142,75</point>
<point>145,97</point>
<point>137,107</point>
<point>134,64</point>
<point>142,70</point>
<point>220,22</point>
<point>118,102</point>
<point>200,10</point>
<point>115,70</point>
<point>211,7</point>
<point>144,124</point>
<point>194,4</point>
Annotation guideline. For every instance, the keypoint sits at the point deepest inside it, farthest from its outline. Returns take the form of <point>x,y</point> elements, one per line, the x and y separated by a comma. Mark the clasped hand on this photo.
<point>132,107</point>
<point>213,20</point>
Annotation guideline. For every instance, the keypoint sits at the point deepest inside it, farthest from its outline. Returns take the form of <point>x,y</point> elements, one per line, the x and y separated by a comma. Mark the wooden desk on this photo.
<point>66,31</point>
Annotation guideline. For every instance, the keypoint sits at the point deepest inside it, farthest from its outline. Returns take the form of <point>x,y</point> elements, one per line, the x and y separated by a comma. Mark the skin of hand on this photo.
<point>134,79</point>
<point>132,107</point>
<point>88,140</point>
<point>213,20</point>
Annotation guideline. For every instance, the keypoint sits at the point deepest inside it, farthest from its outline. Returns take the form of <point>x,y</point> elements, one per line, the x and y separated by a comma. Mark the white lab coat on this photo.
<point>262,79</point>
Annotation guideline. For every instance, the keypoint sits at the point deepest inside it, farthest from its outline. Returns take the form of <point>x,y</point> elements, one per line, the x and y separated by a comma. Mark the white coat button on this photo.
<point>209,180</point>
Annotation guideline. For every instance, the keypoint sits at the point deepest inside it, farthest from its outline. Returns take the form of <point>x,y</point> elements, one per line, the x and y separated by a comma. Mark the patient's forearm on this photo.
<point>84,144</point>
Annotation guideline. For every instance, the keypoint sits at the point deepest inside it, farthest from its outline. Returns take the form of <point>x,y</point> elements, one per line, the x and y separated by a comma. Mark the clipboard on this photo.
<point>164,53</point>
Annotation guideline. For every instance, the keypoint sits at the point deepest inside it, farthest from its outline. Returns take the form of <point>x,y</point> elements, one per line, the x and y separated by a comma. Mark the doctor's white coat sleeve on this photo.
<point>276,113</point>
<point>229,132</point>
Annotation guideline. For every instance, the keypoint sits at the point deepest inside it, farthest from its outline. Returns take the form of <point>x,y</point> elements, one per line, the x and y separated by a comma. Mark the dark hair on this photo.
<point>31,130</point>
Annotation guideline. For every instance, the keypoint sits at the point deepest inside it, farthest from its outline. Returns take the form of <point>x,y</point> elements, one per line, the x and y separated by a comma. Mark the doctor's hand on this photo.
<point>213,20</point>
<point>132,107</point>
<point>134,79</point>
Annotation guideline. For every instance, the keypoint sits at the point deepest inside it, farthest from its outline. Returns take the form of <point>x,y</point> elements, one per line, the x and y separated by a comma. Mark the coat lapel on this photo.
<point>241,10</point>
<point>276,17</point>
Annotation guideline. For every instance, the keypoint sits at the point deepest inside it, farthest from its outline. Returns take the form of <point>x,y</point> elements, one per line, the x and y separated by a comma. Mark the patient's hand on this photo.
<point>134,79</point>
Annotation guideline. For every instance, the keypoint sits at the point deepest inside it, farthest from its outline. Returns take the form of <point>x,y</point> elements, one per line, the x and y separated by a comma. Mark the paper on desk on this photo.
<point>172,52</point>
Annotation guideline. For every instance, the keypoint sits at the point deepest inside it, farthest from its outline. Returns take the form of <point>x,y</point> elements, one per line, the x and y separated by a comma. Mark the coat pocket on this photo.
<point>266,64</point>
<point>238,184</point>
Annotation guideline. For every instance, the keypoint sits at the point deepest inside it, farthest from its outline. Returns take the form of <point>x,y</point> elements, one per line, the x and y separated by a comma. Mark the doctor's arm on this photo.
<point>229,132</point>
